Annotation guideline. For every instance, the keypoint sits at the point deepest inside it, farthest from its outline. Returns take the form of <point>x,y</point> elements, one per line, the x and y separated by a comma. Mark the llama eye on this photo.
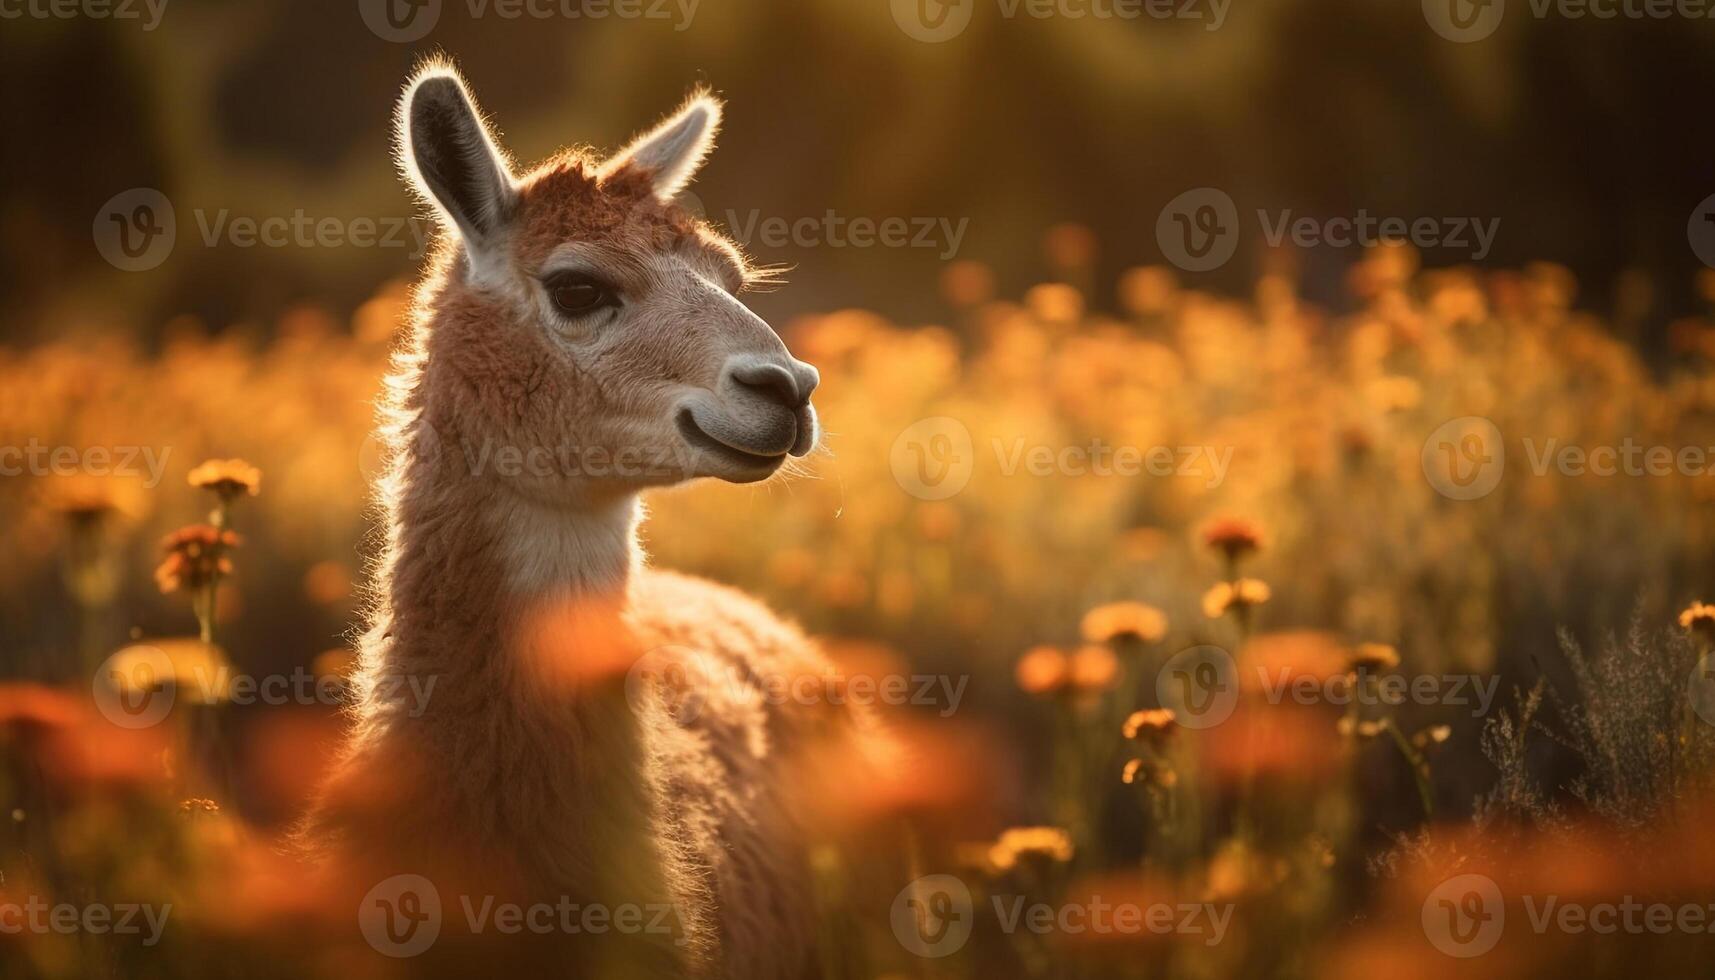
<point>576,294</point>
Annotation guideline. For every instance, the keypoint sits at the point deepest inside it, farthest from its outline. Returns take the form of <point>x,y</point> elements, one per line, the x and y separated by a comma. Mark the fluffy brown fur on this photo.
<point>532,774</point>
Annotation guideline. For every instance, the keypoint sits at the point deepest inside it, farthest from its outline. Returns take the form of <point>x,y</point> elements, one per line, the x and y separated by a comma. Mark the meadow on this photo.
<point>1217,648</point>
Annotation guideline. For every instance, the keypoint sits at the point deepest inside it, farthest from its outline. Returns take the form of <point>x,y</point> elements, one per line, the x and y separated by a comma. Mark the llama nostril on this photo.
<point>808,378</point>
<point>771,380</point>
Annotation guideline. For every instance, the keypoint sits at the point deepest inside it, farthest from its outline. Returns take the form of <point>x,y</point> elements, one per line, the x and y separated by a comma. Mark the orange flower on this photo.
<point>1124,621</point>
<point>1699,620</point>
<point>338,663</point>
<point>1374,658</point>
<point>1093,668</point>
<point>85,500</point>
<point>1233,537</point>
<point>1242,594</point>
<point>1140,772</point>
<point>1362,728</point>
<point>1291,656</point>
<point>227,477</point>
<point>1155,723</point>
<point>200,671</point>
<point>196,556</point>
<point>1431,736</point>
<point>1042,671</point>
<point>1048,843</point>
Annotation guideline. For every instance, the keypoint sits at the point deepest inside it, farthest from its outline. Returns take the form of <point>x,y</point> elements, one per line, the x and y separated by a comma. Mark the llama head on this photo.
<point>583,321</point>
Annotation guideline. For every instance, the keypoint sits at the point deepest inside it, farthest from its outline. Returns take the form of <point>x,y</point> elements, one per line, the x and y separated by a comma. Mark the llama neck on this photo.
<point>515,609</point>
<point>471,560</point>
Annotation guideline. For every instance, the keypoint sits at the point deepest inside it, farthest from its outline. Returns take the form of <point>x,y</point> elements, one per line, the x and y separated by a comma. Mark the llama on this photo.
<point>577,306</point>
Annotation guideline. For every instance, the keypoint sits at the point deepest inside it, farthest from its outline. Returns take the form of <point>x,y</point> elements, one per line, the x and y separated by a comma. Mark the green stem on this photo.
<point>1419,769</point>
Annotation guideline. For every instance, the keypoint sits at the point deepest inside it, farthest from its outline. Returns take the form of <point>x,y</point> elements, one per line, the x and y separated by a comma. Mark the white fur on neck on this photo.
<point>550,550</point>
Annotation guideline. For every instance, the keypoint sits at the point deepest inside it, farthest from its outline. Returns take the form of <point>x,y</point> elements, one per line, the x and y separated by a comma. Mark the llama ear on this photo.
<point>672,152</point>
<point>448,154</point>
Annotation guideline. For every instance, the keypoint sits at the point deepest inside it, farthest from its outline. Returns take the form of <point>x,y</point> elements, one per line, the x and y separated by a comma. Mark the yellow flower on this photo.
<point>1394,393</point>
<point>1233,537</point>
<point>1124,621</point>
<point>1138,771</point>
<point>1049,843</point>
<point>1041,671</point>
<point>337,663</point>
<point>1433,735</point>
<point>1093,668</point>
<point>86,500</point>
<point>1365,728</point>
<point>1374,658</point>
<point>227,477</point>
<point>1154,723</point>
<point>1699,619</point>
<point>199,671</point>
<point>198,806</point>
<point>1242,594</point>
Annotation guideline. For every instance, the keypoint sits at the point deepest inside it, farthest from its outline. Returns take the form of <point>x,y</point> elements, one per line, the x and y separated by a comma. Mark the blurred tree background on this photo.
<point>1575,134</point>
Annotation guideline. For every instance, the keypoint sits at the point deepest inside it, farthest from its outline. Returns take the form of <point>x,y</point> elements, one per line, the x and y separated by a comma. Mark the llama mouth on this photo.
<point>755,464</point>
